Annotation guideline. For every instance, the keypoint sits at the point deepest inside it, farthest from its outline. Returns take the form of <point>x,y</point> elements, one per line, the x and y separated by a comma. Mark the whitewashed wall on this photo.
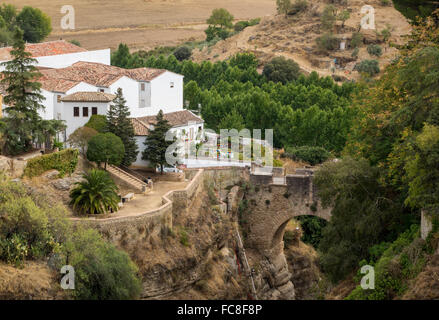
<point>130,90</point>
<point>140,147</point>
<point>163,96</point>
<point>74,123</point>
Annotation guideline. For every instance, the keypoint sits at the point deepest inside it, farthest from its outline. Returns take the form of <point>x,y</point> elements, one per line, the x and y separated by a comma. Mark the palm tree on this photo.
<point>97,194</point>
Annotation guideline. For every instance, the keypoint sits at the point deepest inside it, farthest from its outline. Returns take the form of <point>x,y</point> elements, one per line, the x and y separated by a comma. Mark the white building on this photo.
<point>185,125</point>
<point>58,54</point>
<point>77,83</point>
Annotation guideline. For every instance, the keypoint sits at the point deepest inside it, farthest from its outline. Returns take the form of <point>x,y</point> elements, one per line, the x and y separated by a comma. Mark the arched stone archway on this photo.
<point>271,207</point>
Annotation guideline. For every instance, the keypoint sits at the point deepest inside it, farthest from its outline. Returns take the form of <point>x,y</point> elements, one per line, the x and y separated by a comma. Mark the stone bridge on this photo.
<point>277,199</point>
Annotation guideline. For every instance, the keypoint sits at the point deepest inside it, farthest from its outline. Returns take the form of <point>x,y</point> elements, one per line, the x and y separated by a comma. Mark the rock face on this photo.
<point>67,183</point>
<point>12,167</point>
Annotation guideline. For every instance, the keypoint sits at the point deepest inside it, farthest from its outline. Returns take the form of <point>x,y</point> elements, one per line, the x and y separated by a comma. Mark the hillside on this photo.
<point>294,37</point>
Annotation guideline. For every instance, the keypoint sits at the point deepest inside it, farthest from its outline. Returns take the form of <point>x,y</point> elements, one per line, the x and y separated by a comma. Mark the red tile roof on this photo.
<point>97,74</point>
<point>175,119</point>
<point>89,97</point>
<point>44,49</point>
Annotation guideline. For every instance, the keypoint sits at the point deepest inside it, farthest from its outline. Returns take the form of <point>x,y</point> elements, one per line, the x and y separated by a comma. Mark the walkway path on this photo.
<point>152,200</point>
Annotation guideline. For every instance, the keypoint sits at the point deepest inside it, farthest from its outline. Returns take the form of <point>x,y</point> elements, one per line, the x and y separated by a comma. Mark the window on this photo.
<point>142,86</point>
<point>172,84</point>
<point>76,111</point>
<point>94,110</point>
<point>191,133</point>
<point>58,98</point>
<point>101,90</point>
<point>85,111</point>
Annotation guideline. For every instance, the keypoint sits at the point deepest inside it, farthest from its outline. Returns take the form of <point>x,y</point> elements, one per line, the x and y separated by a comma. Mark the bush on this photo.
<point>369,67</point>
<point>374,50</point>
<point>328,17</point>
<point>298,6</point>
<point>101,271</point>
<point>282,70</point>
<point>312,155</point>
<point>356,40</point>
<point>355,53</point>
<point>385,2</point>
<point>64,161</point>
<point>213,33</point>
<point>182,53</point>
<point>327,42</point>
<point>241,25</point>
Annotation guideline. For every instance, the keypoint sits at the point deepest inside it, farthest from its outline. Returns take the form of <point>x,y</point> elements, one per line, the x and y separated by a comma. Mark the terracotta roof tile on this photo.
<point>89,97</point>
<point>44,49</point>
<point>97,74</point>
<point>175,119</point>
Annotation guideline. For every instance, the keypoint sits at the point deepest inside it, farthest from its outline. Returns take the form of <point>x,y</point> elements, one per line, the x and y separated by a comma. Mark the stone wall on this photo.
<point>122,230</point>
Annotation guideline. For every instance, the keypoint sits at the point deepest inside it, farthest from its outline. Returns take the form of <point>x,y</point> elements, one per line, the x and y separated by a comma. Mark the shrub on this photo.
<point>355,53</point>
<point>182,53</point>
<point>385,2</point>
<point>327,42</point>
<point>101,271</point>
<point>241,25</point>
<point>369,67</point>
<point>184,238</point>
<point>375,50</point>
<point>282,70</point>
<point>64,161</point>
<point>298,6</point>
<point>312,155</point>
<point>356,40</point>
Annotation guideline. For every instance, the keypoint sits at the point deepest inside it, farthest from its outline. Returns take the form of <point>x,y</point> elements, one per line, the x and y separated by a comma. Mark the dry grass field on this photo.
<point>142,24</point>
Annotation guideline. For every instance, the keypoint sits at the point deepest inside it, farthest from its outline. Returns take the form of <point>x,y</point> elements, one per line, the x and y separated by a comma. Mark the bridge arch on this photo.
<point>272,204</point>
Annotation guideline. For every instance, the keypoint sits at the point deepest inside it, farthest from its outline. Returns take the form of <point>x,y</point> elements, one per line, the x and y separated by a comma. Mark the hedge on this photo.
<point>64,161</point>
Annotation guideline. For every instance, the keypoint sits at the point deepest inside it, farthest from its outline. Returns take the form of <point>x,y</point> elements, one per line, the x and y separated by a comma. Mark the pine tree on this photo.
<point>23,97</point>
<point>156,144</point>
<point>119,123</point>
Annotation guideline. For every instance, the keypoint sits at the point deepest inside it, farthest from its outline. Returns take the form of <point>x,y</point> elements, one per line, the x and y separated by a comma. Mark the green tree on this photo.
<point>363,214</point>
<point>35,24</point>
<point>182,53</point>
<point>96,194</point>
<point>80,138</point>
<point>156,144</point>
<point>119,123</point>
<point>232,121</point>
<point>370,67</point>
<point>281,70</point>
<point>343,16</point>
<point>106,148</point>
<point>121,57</point>
<point>328,17</point>
<point>221,17</point>
<point>98,122</point>
<point>23,97</point>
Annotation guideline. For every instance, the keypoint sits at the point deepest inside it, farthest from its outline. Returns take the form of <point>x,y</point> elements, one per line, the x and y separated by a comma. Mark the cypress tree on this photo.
<point>156,144</point>
<point>23,97</point>
<point>119,123</point>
